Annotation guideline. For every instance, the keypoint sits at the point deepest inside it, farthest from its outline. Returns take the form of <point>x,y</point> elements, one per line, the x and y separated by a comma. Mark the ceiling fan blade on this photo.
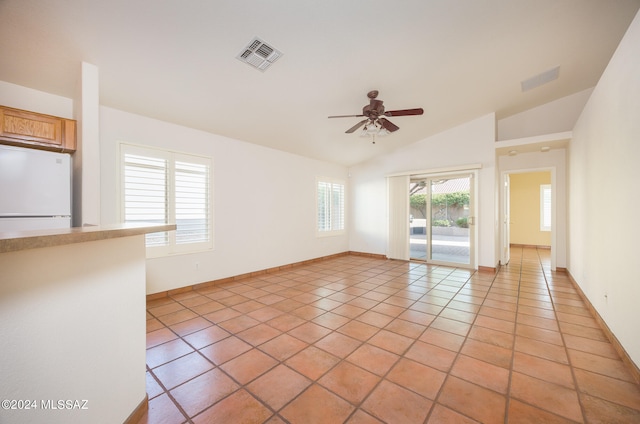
<point>404,112</point>
<point>388,125</point>
<point>356,126</point>
<point>346,116</point>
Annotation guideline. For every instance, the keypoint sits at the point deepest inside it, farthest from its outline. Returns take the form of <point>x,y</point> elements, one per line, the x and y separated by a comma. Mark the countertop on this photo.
<point>22,240</point>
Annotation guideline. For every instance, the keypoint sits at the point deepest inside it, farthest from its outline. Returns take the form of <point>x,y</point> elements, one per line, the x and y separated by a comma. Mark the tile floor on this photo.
<point>363,340</point>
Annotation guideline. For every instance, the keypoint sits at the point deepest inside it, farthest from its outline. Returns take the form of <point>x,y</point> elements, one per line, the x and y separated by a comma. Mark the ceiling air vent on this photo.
<point>259,54</point>
<point>540,79</point>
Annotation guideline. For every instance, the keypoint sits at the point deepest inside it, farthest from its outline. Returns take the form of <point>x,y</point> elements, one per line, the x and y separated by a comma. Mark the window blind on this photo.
<point>545,207</point>
<point>160,186</point>
<point>145,193</point>
<point>192,206</point>
<point>330,206</point>
<point>324,206</point>
<point>337,207</point>
<point>398,217</point>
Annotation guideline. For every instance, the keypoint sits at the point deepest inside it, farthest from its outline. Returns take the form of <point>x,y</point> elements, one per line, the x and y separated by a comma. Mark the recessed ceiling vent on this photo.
<point>540,79</point>
<point>259,54</point>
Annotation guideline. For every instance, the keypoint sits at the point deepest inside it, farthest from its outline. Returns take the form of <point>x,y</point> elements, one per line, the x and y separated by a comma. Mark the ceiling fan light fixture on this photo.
<point>373,129</point>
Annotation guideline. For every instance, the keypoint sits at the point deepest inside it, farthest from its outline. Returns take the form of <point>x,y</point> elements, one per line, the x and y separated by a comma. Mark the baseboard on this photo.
<point>635,371</point>
<point>529,246</point>
<point>239,277</point>
<point>487,269</point>
<point>139,412</point>
<point>368,255</point>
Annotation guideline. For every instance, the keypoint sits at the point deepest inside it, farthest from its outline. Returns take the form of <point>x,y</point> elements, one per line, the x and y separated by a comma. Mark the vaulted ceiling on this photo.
<point>176,61</point>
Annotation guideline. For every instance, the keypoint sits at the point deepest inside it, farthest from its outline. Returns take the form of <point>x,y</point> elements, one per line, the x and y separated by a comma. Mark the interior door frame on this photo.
<point>505,255</point>
<point>505,236</point>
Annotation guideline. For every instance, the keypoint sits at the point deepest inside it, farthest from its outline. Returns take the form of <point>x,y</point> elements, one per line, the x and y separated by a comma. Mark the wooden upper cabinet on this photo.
<point>35,130</point>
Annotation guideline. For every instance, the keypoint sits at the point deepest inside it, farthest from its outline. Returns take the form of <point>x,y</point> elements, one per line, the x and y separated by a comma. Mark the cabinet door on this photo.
<point>31,129</point>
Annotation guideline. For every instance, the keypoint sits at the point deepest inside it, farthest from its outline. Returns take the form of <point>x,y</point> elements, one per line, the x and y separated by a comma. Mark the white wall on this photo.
<point>72,320</point>
<point>470,143</point>
<point>264,201</point>
<point>553,117</point>
<point>86,163</point>
<point>603,194</point>
<point>19,97</point>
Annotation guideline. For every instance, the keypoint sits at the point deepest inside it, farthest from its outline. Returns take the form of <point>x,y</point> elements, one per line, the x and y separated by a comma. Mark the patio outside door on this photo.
<point>441,220</point>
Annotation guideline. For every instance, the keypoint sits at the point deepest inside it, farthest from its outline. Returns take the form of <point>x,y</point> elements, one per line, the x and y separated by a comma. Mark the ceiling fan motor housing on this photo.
<point>374,109</point>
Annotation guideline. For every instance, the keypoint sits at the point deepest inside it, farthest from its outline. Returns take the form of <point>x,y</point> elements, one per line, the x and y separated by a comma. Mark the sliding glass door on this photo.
<point>441,219</point>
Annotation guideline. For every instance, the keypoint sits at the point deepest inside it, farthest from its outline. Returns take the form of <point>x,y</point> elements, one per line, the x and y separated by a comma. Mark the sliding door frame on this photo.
<point>472,170</point>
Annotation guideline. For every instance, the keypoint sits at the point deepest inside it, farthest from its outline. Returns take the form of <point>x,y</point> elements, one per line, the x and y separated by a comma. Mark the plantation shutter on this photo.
<point>160,186</point>
<point>145,193</point>
<point>192,202</point>
<point>337,207</point>
<point>545,207</point>
<point>330,206</point>
<point>324,206</point>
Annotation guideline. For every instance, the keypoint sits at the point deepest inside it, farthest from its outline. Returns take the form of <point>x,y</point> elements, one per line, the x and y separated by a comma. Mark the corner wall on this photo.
<point>553,117</point>
<point>603,176</point>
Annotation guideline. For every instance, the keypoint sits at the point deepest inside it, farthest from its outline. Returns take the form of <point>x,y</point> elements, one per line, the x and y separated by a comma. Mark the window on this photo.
<point>330,207</point>
<point>160,186</point>
<point>545,207</point>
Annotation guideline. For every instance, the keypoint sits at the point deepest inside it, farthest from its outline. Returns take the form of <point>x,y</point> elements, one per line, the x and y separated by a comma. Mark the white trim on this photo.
<point>438,171</point>
<point>517,142</point>
<point>171,156</point>
<point>473,220</point>
<point>554,204</point>
<point>543,188</point>
<point>332,232</point>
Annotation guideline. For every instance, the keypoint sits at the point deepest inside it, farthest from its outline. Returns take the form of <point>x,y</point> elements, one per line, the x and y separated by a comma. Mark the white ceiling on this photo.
<point>176,61</point>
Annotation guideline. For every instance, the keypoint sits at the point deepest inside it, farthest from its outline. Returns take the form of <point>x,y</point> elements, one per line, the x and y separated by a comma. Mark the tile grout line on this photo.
<point>459,352</point>
<point>243,386</point>
<point>564,345</point>
<point>400,356</point>
<point>513,343</point>
<point>441,279</point>
<point>383,277</point>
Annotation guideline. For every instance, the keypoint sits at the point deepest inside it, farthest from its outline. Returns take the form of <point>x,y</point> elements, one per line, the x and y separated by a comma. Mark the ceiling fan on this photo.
<point>375,122</point>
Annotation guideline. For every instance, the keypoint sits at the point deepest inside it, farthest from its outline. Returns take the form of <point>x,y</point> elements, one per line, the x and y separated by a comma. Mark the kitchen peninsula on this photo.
<point>72,324</point>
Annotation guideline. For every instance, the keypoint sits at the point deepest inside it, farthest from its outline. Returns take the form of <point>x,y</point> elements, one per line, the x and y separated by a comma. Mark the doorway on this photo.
<point>528,211</point>
<point>441,219</point>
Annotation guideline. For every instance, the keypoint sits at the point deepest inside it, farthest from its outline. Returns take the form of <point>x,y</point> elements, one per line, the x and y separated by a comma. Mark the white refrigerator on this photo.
<point>35,189</point>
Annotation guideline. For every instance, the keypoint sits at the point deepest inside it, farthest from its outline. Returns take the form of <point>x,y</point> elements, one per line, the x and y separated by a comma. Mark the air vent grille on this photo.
<point>540,79</point>
<point>259,54</point>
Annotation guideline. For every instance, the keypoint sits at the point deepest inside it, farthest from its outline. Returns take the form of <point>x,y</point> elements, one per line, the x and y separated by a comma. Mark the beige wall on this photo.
<point>525,209</point>
<point>603,174</point>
